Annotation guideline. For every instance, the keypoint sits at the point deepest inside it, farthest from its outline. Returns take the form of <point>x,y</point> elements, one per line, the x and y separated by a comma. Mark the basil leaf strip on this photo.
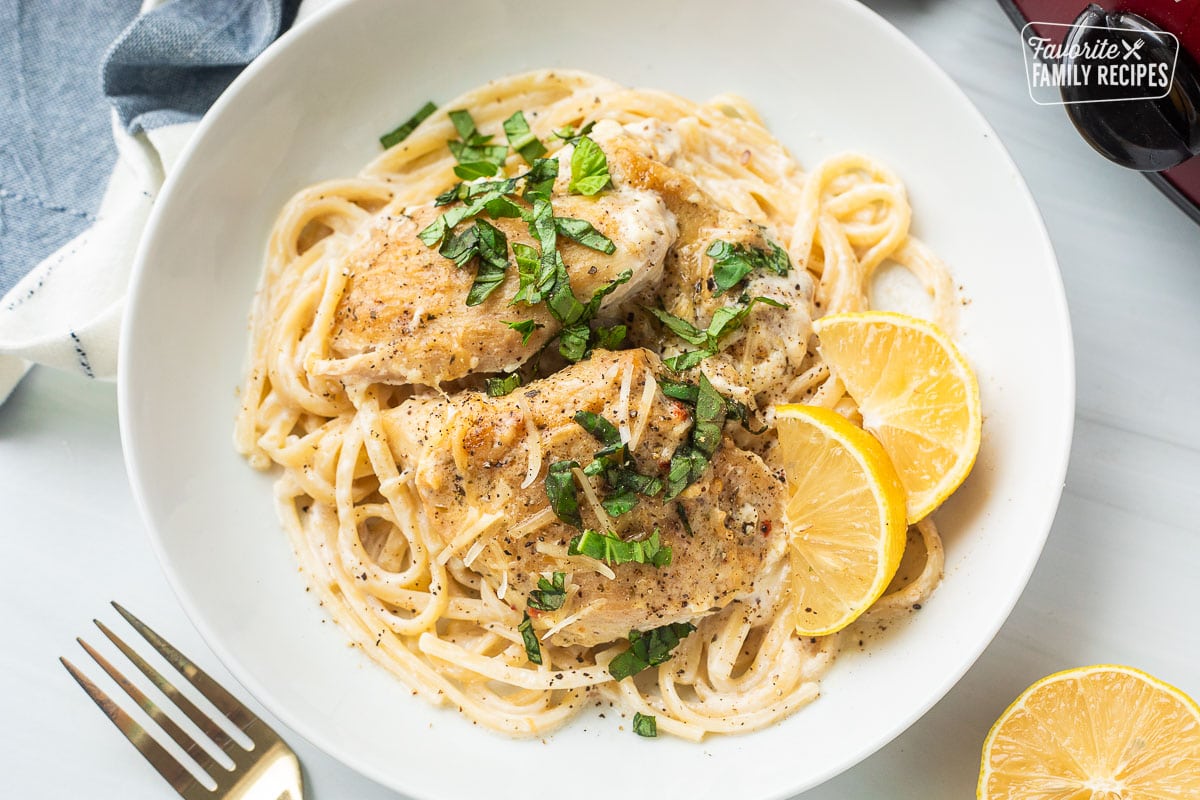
<point>725,320</point>
<point>680,327</point>
<point>645,725</point>
<point>525,327</point>
<point>573,341</point>
<point>550,594</point>
<point>649,649</point>
<point>561,490</point>
<point>733,262</point>
<point>568,134</point>
<point>691,459</point>
<point>589,168</point>
<point>493,262</point>
<point>522,139</point>
<point>614,551</point>
<point>604,431</point>
<point>582,231</point>
<point>498,387</point>
<point>395,137</point>
<point>610,338</point>
<point>687,466</point>
<point>533,651</point>
<point>539,180</point>
<point>686,360</point>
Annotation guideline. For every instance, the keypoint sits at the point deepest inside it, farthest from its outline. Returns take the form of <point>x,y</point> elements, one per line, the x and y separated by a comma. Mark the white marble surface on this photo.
<point>1114,584</point>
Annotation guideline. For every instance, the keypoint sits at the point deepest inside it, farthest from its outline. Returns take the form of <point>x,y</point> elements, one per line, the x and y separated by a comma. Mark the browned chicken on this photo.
<point>767,351</point>
<point>403,318</point>
<point>469,457</point>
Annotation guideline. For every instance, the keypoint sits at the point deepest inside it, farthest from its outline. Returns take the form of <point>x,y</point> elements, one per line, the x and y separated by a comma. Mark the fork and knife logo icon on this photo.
<point>1132,49</point>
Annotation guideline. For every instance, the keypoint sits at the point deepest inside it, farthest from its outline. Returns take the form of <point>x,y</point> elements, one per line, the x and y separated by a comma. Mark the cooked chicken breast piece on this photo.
<point>772,343</point>
<point>469,456</point>
<point>403,318</point>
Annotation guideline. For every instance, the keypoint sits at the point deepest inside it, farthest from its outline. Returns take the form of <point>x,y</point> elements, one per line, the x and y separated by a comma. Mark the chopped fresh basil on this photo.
<point>461,247</point>
<point>683,518</point>
<point>680,327</point>
<point>645,725</point>
<point>491,200</point>
<point>686,360</point>
<point>561,490</point>
<point>589,168</point>
<point>576,335</point>
<point>542,228</point>
<point>569,134</point>
<point>601,429</point>
<point>525,327</point>
<point>582,231</point>
<point>609,338</point>
<point>470,170</point>
<point>620,503</point>
<point>625,478</point>
<point>614,462</point>
<point>501,207</point>
<point>777,259</point>
<point>522,139</point>
<point>689,392</point>
<point>475,155</point>
<point>573,341</point>
<point>613,550</point>
<point>710,418</point>
<point>533,282</point>
<point>725,320</point>
<point>395,137</point>
<point>593,305</point>
<point>493,262</point>
<point>539,180</point>
<point>649,649</point>
<point>498,387</point>
<point>691,459</point>
<point>550,594</point>
<point>452,195</point>
<point>433,233</point>
<point>687,466</point>
<point>533,651</point>
<point>739,411</point>
<point>464,123</point>
<point>732,262</point>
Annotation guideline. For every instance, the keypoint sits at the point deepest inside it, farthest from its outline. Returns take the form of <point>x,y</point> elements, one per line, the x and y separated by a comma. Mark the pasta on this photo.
<point>431,605</point>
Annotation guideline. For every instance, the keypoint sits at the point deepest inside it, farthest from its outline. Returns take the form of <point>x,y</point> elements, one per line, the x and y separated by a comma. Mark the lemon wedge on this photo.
<point>916,393</point>
<point>1094,733</point>
<point>844,514</point>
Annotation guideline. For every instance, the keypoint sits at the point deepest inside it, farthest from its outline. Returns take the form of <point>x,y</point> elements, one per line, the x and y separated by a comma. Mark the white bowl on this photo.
<point>828,76</point>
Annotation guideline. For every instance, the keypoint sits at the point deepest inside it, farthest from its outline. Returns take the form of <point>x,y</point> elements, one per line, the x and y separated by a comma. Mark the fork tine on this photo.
<point>202,721</point>
<point>198,753</point>
<point>175,774</point>
<point>229,705</point>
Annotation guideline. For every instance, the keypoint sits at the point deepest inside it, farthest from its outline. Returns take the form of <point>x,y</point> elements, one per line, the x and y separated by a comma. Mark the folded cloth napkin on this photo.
<point>97,99</point>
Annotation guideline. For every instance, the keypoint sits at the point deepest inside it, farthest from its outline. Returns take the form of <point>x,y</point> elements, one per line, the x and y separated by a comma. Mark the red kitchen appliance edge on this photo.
<point>1140,134</point>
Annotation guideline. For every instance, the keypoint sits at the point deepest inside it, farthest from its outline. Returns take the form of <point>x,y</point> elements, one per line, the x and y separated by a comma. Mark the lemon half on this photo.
<point>1094,733</point>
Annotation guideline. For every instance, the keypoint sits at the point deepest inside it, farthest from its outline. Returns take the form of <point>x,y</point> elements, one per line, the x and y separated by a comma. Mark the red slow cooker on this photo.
<point>1158,135</point>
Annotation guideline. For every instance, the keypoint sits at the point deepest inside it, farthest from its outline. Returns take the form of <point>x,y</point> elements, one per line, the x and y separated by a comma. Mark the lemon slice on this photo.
<point>917,394</point>
<point>1094,733</point>
<point>844,515</point>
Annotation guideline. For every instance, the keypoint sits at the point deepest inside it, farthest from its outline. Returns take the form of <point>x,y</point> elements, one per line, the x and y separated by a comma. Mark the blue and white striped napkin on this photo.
<point>97,99</point>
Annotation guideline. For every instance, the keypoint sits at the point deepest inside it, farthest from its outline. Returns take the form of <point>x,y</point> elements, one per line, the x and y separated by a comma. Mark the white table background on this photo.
<point>1115,583</point>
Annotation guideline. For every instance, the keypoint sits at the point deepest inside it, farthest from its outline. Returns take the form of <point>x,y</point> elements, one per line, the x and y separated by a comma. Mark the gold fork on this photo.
<point>268,770</point>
